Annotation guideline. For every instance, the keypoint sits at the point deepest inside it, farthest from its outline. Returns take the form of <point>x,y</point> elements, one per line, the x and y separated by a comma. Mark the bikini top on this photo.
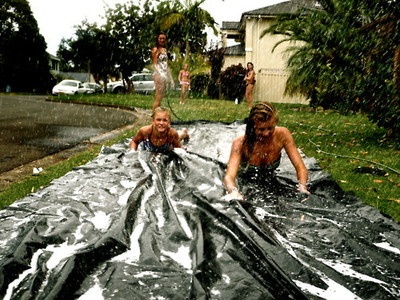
<point>149,146</point>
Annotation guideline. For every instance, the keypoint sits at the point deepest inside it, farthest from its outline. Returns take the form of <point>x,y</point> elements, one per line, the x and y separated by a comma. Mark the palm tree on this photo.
<point>191,19</point>
<point>325,58</point>
<point>345,53</point>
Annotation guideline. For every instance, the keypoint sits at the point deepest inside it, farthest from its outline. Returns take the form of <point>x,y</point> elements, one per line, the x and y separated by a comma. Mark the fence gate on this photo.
<point>270,86</point>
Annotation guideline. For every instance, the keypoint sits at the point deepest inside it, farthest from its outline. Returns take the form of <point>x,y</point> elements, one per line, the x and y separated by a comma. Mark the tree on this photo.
<point>88,51</point>
<point>24,62</point>
<point>216,59</point>
<point>121,46</point>
<point>133,29</point>
<point>186,23</point>
<point>337,63</point>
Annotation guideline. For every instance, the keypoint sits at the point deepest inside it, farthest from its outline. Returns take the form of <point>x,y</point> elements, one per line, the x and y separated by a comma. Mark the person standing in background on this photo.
<point>250,81</point>
<point>184,80</point>
<point>162,73</point>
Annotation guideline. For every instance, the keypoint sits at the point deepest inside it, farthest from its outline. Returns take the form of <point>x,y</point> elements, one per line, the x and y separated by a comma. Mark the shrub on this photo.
<point>231,82</point>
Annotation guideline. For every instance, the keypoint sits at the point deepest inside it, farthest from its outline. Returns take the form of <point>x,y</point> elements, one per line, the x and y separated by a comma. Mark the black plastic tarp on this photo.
<point>137,225</point>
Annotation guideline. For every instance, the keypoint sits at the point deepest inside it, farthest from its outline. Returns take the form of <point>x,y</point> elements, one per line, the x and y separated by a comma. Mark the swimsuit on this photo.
<point>162,64</point>
<point>252,81</point>
<point>185,74</point>
<point>149,146</point>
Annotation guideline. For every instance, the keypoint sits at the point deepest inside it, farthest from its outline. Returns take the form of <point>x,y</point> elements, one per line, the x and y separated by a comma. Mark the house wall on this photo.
<point>230,60</point>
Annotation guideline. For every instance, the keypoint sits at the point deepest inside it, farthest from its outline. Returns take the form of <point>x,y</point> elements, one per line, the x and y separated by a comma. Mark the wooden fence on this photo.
<point>270,86</point>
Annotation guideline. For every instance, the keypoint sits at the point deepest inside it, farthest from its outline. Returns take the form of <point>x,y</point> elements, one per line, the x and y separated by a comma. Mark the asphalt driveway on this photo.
<point>32,127</point>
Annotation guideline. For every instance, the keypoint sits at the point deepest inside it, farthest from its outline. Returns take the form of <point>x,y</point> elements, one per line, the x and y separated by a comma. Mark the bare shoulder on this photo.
<point>146,129</point>
<point>173,132</point>
<point>239,139</point>
<point>282,131</point>
<point>285,136</point>
<point>154,52</point>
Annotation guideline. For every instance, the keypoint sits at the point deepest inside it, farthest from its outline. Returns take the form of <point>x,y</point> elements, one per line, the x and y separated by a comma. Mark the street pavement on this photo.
<point>32,127</point>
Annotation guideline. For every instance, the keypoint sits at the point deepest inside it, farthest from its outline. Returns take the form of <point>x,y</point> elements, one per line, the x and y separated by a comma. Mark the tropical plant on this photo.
<point>197,62</point>
<point>343,55</point>
<point>186,23</point>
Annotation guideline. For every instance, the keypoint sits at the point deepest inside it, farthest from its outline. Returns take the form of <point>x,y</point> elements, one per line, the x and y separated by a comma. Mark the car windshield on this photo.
<point>137,78</point>
<point>69,83</point>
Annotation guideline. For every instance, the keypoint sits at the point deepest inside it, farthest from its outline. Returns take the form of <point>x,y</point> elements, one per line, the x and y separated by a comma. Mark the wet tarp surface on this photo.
<point>137,225</point>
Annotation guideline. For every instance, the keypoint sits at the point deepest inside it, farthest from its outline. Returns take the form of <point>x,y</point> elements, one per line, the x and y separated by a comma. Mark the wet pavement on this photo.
<point>32,127</point>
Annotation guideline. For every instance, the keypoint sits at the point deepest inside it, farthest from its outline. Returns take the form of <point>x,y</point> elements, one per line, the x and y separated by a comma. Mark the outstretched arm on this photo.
<point>139,137</point>
<point>154,59</point>
<point>233,168</point>
<point>175,139</point>
<point>297,161</point>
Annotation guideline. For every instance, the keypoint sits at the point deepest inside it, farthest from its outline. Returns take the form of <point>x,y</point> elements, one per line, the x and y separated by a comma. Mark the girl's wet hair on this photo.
<point>161,109</point>
<point>260,112</point>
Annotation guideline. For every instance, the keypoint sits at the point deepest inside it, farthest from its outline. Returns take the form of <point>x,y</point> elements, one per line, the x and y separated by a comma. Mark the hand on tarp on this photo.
<point>233,195</point>
<point>180,151</point>
<point>302,188</point>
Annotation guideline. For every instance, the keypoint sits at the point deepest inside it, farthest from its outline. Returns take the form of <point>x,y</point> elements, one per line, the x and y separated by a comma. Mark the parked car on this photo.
<point>69,87</point>
<point>92,88</point>
<point>142,83</point>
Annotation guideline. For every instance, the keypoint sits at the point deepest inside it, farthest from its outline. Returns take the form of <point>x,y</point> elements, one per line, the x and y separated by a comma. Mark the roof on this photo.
<point>287,7</point>
<point>230,25</point>
<point>236,50</point>
<point>51,56</point>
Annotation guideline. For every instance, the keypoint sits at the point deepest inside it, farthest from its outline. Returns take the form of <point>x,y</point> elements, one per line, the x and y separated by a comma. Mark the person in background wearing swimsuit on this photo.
<point>261,146</point>
<point>250,81</point>
<point>184,80</point>
<point>162,73</point>
<point>159,136</point>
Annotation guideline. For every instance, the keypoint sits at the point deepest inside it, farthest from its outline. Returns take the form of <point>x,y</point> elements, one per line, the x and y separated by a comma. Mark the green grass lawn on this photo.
<point>341,144</point>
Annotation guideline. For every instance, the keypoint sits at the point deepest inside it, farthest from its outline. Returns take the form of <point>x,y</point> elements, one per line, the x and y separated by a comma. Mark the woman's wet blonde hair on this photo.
<point>260,112</point>
<point>263,111</point>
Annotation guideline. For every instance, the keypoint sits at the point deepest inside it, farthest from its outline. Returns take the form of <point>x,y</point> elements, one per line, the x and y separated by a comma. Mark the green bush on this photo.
<point>199,84</point>
<point>232,84</point>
